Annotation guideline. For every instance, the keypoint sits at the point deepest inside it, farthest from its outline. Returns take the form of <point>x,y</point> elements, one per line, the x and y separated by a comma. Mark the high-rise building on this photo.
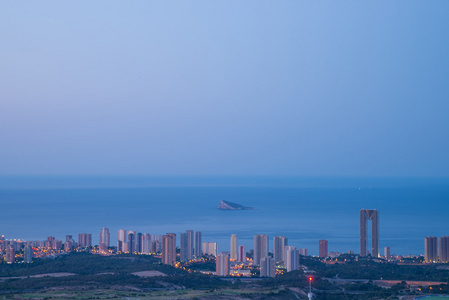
<point>430,249</point>
<point>210,248</point>
<point>292,259</point>
<point>186,247</point>
<point>267,267</point>
<point>85,240</point>
<point>2,242</point>
<point>56,245</point>
<point>147,243</point>
<point>222,265</point>
<point>69,243</point>
<point>303,252</point>
<point>10,255</point>
<point>387,253</point>
<point>121,241</point>
<point>104,240</point>
<point>198,243</point>
<point>234,247</point>
<point>279,252</point>
<point>139,242</point>
<point>190,244</point>
<point>444,249</point>
<point>242,253</point>
<point>169,249</point>
<point>365,216</point>
<point>260,248</point>
<point>49,242</point>
<point>323,249</point>
<point>131,245</point>
<point>27,254</point>
<point>155,246</point>
<point>183,247</point>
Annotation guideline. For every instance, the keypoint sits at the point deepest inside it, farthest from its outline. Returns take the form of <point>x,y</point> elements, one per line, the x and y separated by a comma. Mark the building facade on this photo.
<point>104,240</point>
<point>169,249</point>
<point>10,255</point>
<point>292,259</point>
<point>323,248</point>
<point>431,249</point>
<point>85,240</point>
<point>198,251</point>
<point>234,247</point>
<point>279,252</point>
<point>260,248</point>
<point>242,253</point>
<point>121,241</point>
<point>443,249</point>
<point>373,216</point>
<point>210,248</point>
<point>267,267</point>
<point>27,254</point>
<point>222,265</point>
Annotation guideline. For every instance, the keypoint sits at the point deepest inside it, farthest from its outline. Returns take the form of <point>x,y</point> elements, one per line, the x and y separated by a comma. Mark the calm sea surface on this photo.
<point>304,210</point>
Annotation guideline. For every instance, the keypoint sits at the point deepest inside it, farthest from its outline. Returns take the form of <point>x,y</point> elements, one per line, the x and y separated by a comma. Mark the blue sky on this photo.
<point>311,88</point>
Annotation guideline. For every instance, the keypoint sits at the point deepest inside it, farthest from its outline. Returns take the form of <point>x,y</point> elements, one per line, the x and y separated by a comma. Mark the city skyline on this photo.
<point>190,244</point>
<point>265,259</point>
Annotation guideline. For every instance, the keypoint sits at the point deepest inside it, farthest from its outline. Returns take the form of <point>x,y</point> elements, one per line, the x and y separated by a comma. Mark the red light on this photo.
<point>310,278</point>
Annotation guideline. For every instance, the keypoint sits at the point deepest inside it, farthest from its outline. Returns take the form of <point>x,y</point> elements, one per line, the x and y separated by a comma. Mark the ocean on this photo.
<point>304,210</point>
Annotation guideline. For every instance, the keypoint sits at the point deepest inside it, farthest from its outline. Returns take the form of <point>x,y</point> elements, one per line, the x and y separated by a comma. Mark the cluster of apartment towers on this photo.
<point>191,245</point>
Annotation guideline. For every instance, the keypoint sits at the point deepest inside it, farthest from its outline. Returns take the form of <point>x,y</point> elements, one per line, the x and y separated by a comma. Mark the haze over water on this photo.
<point>302,209</point>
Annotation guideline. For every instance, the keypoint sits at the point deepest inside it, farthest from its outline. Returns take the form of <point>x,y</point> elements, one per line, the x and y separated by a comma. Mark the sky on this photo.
<point>309,88</point>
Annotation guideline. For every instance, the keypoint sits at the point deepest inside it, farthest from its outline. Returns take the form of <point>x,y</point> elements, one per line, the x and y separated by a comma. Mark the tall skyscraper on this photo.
<point>186,246</point>
<point>267,267</point>
<point>85,240</point>
<point>121,241</point>
<point>387,253</point>
<point>139,242</point>
<point>131,248</point>
<point>27,254</point>
<point>234,247</point>
<point>279,252</point>
<point>260,248</point>
<point>431,249</point>
<point>222,265</point>
<point>190,244</point>
<point>323,249</point>
<point>104,240</point>
<point>169,249</point>
<point>443,249</point>
<point>292,258</point>
<point>365,216</point>
<point>198,243</point>
<point>147,243</point>
<point>183,247</point>
<point>242,253</point>
<point>10,255</point>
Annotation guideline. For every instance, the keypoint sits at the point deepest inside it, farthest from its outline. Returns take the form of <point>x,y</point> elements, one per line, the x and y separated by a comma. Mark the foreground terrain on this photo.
<point>89,276</point>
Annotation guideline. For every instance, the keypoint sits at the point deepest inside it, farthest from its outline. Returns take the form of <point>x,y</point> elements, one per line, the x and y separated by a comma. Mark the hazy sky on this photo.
<point>225,87</point>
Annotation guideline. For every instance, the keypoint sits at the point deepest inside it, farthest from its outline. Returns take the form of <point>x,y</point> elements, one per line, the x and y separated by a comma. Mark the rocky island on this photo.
<point>226,205</point>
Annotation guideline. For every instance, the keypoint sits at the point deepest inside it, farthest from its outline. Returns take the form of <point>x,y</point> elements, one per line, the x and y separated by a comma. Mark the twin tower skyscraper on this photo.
<point>373,216</point>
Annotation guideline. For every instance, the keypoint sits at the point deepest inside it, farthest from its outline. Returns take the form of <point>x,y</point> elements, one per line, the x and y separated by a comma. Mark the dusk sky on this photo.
<point>310,88</point>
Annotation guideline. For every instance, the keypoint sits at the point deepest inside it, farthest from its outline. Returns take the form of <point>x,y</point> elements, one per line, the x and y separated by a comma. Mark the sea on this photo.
<point>303,209</point>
